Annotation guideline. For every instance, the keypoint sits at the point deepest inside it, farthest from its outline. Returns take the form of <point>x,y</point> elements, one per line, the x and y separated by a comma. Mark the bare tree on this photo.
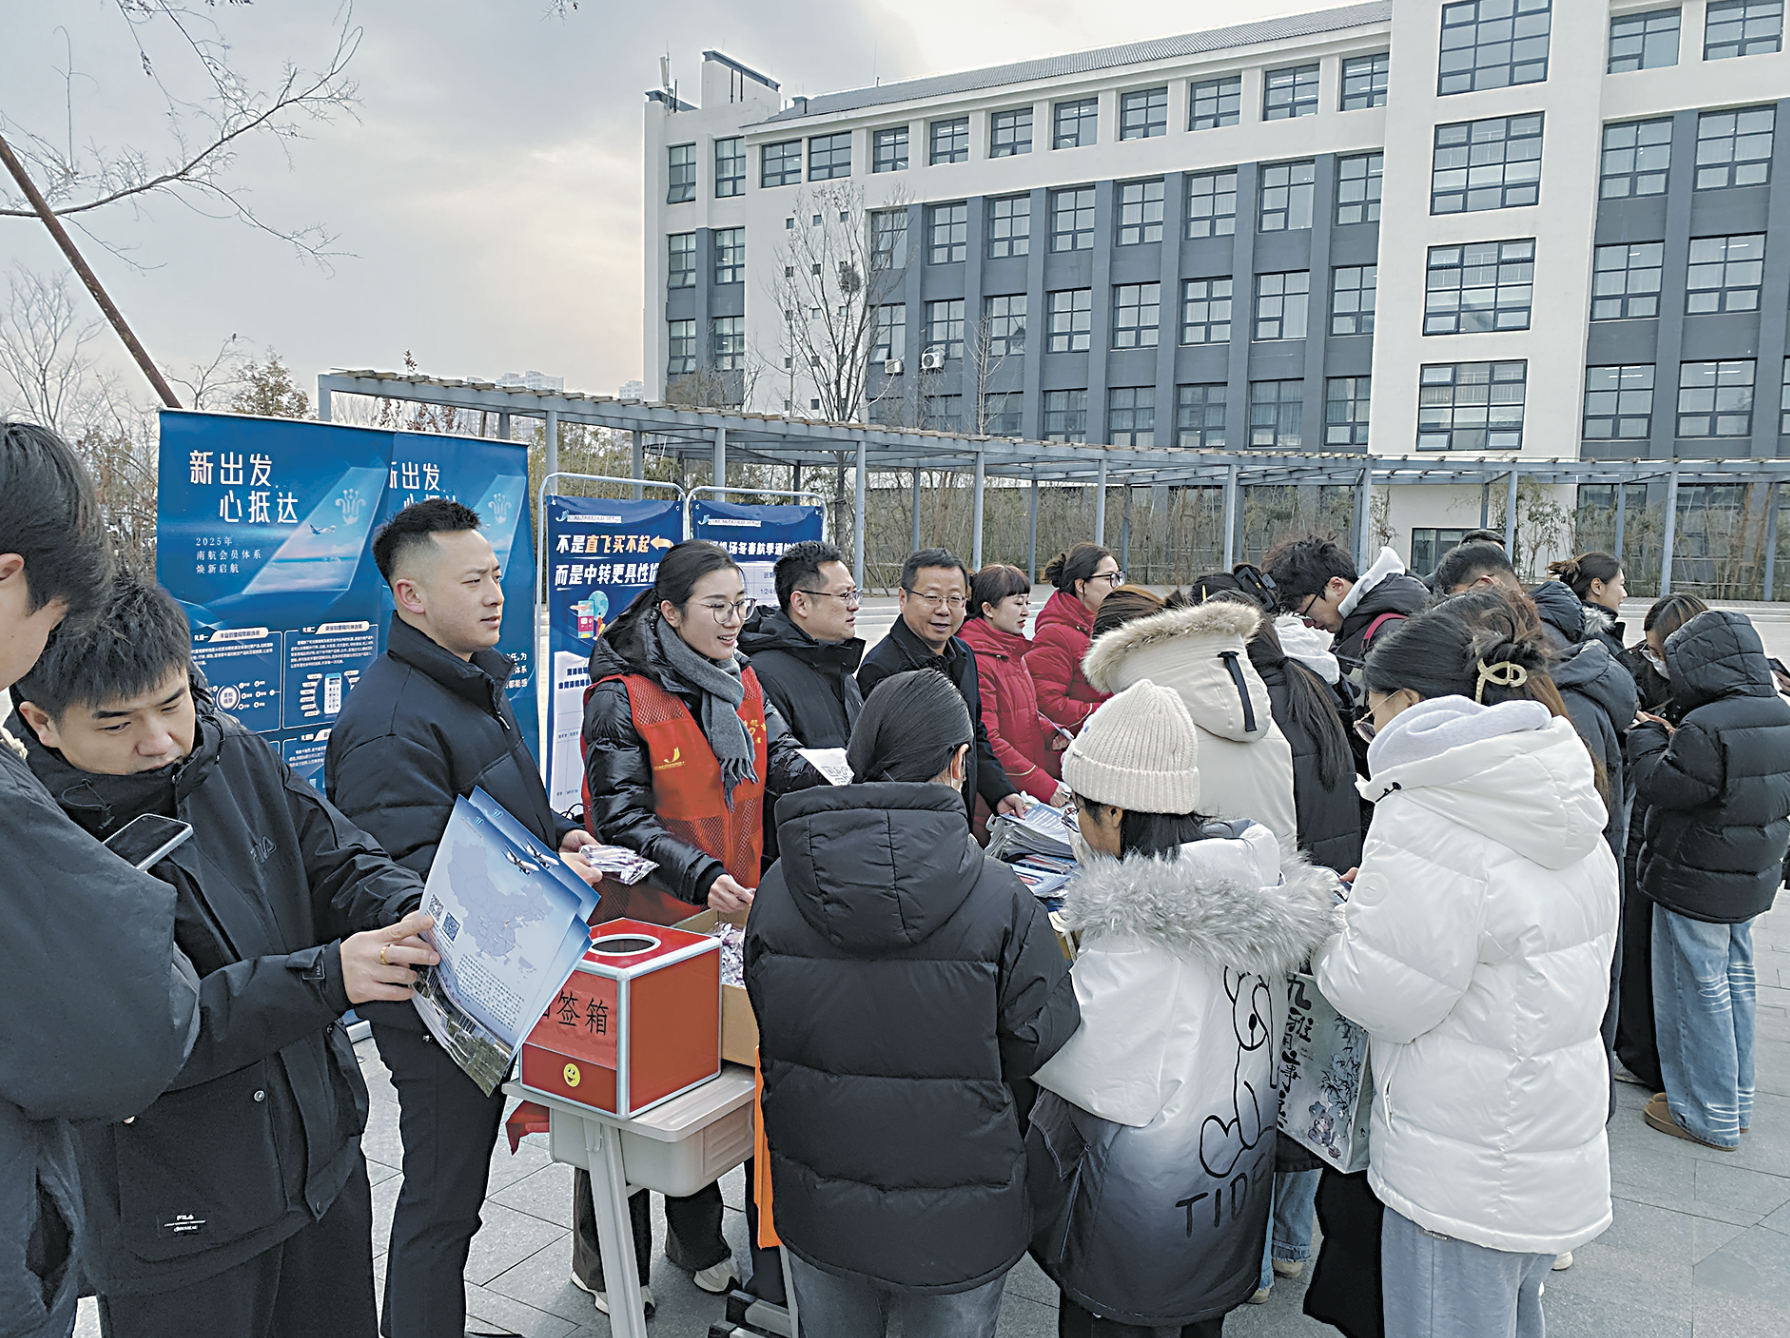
<point>833,271</point>
<point>202,131</point>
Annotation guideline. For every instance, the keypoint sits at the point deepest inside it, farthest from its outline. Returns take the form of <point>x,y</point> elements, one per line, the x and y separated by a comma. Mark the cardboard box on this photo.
<point>739,1028</point>
<point>638,1022</point>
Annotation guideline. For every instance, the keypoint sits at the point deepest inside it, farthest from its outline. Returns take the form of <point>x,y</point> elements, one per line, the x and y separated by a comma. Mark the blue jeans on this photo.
<point>1289,1230</point>
<point>1704,1002</point>
<point>836,1307</point>
<point>1437,1287</point>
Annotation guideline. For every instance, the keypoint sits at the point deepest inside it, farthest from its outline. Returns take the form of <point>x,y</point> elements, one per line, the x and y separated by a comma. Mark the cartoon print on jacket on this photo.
<point>1223,1141</point>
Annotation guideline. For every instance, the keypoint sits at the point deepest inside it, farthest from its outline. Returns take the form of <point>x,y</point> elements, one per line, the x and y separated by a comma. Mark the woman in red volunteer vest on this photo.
<point>682,752</point>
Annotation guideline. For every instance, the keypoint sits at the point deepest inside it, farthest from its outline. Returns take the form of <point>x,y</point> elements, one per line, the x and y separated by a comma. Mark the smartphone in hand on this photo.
<point>148,840</point>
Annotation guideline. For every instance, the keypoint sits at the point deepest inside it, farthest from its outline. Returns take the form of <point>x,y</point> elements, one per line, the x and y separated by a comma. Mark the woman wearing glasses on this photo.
<point>1084,576</point>
<point>682,752</point>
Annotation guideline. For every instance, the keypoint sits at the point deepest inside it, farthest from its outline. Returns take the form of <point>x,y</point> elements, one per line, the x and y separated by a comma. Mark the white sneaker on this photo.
<point>1289,1268</point>
<point>718,1279</point>
<point>1562,1262</point>
<point>601,1299</point>
<point>1261,1296</point>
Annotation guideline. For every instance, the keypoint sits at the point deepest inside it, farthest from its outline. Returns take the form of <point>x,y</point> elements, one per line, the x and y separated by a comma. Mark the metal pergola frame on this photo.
<point>716,435</point>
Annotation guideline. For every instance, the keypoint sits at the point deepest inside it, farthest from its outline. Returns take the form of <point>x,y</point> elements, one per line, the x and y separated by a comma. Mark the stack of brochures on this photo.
<point>1045,875</point>
<point>510,925</point>
<point>1043,830</point>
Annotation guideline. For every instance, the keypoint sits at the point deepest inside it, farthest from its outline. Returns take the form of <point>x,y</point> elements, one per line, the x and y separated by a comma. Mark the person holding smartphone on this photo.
<point>237,1201</point>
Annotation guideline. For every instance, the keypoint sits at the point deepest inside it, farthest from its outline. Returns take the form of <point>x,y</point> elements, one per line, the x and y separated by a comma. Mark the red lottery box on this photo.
<point>638,1022</point>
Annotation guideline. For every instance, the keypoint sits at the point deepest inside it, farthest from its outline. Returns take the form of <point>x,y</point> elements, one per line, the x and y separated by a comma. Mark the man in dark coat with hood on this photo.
<point>804,651</point>
<point>935,591</point>
<point>101,1008</point>
<point>1712,859</point>
<point>1316,580</point>
<point>238,1202</point>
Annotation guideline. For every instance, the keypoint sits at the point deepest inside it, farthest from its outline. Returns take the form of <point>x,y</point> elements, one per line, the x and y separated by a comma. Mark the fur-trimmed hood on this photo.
<point>1200,652</point>
<point>1229,902</point>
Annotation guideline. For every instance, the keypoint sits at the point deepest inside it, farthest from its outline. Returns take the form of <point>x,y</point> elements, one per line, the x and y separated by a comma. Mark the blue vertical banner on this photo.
<point>600,555</point>
<point>756,536</point>
<point>264,534</point>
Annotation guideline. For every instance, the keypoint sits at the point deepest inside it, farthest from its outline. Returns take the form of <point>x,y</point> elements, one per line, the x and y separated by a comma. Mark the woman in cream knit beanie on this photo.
<point>1138,753</point>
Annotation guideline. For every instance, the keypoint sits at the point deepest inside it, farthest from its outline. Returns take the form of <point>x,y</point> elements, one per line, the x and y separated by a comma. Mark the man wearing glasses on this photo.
<point>935,590</point>
<point>805,651</point>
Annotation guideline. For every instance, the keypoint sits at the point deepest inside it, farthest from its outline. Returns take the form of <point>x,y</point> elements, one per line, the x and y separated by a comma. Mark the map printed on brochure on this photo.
<point>510,925</point>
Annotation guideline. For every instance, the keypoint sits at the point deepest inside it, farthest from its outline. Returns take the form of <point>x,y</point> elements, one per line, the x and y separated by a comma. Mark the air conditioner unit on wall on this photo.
<point>932,360</point>
<point>892,367</point>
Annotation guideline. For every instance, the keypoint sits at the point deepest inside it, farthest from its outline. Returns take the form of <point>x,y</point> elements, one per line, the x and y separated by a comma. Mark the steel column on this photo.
<point>1032,536</point>
<point>1510,516</point>
<point>857,528</point>
<point>638,453</point>
<point>322,404</point>
<point>1125,527</point>
<point>503,425</point>
<point>552,437</point>
<point>1621,515</point>
<point>1771,541</point>
<point>976,512</point>
<point>1363,497</point>
<point>1485,504</point>
<point>1671,534</point>
<point>1100,503</point>
<point>914,542</point>
<point>1230,516</point>
<point>720,467</point>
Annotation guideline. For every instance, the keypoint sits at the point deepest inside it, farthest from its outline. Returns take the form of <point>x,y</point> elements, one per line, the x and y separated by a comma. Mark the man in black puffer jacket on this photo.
<point>1712,858</point>
<point>902,980</point>
<point>238,1202</point>
<point>1316,580</point>
<point>804,651</point>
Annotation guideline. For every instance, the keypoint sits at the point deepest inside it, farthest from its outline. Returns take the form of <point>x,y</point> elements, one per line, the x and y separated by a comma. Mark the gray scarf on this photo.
<point>722,692</point>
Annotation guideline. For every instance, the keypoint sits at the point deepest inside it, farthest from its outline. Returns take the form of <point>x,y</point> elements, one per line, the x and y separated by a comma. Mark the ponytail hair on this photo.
<point>1127,604</point>
<point>1075,564</point>
<point>1469,646</point>
<point>1579,572</point>
<point>911,727</point>
<point>679,570</point>
<point>1672,612</point>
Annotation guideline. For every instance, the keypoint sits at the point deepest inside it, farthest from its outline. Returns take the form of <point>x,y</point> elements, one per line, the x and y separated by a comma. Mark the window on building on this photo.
<point>1199,417</point>
<point>1072,219</point>
<point>730,166</point>
<point>728,334</point>
<point>1428,546</point>
<point>1489,164</point>
<point>1290,92</point>
<point>1065,415</point>
<point>1143,113</point>
<point>1137,314</point>
<point>1140,211</point>
<point>680,264</point>
<point>1286,196</point>
<point>1005,320</point>
<point>1131,416</point>
<point>1076,123</point>
<point>951,140</point>
<point>944,327</point>
<point>1346,409</point>
<point>829,156</point>
<point>947,232</point>
<point>1277,414</point>
<point>1206,311</point>
<point>1625,280</point>
<point>730,255</point>
<point>1479,287</point>
<point>1281,301</point>
<point>1619,402</point>
<point>1352,299</point>
<point>1010,133</point>
<point>1212,203</point>
<point>889,149</point>
<point>889,337</point>
<point>680,353</point>
<point>1071,320</point>
<point>1784,403</point>
<point>888,239</point>
<point>1009,226</point>
<point>1734,147</point>
<point>1725,273</point>
<point>1215,102</point>
<point>780,164</point>
<point>1637,158</point>
<point>680,177</point>
<point>1644,41</point>
<point>942,413</point>
<point>1364,80</point>
<point>1471,406</point>
<point>1358,180</point>
<point>1715,399</point>
<point>1493,44</point>
<point>1743,28</point>
<point>1001,413</point>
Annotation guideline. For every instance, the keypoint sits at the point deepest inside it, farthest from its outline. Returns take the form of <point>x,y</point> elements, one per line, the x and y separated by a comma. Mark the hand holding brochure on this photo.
<point>510,924</point>
<point>1042,830</point>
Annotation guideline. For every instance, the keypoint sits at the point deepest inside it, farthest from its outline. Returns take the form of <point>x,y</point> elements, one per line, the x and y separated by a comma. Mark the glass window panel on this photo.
<point>1140,211</point>
<point>1010,133</point>
<point>1215,102</point>
<point>1493,44</point>
<point>1290,92</point>
<point>1199,416</point>
<point>1143,114</point>
<point>1644,41</point>
<point>1364,80</point>
<point>1076,123</point>
<point>1479,287</point>
<point>1212,203</point>
<point>1206,311</point>
<point>889,153</point>
<point>1071,320</point>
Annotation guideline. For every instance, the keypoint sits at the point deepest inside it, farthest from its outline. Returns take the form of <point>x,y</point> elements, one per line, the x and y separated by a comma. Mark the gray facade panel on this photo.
<point>1067,269</point>
<point>1131,367</point>
<point>1350,355</point>
<point>1006,275</point>
<point>1612,342</point>
<point>1137,264</point>
<point>727,299</point>
<point>1730,336</point>
<point>1202,364</point>
<point>1062,371</point>
<point>939,282</point>
<point>1720,213</point>
<point>1208,257</point>
<point>1636,220</point>
<point>1355,244</point>
<point>1276,251</point>
<point>1277,360</point>
<point>680,304</point>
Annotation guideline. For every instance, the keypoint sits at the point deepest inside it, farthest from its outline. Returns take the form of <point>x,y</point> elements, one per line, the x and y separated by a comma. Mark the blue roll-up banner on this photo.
<point>600,555</point>
<point>264,534</point>
<point>756,536</point>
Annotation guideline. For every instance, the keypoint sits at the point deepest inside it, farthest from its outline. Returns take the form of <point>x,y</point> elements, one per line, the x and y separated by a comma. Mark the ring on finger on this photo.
<point>382,960</point>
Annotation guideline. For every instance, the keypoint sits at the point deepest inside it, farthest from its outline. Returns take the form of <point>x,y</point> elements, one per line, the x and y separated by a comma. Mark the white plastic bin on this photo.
<point>675,1148</point>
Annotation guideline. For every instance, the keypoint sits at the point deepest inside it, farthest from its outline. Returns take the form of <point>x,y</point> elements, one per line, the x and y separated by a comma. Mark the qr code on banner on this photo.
<point>451,928</point>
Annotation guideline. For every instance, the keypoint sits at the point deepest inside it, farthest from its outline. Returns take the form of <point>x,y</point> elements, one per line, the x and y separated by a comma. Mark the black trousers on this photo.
<point>1345,1290</point>
<point>1637,1044</point>
<point>315,1284</point>
<point>1074,1322</point>
<point>449,1128</point>
<point>693,1240</point>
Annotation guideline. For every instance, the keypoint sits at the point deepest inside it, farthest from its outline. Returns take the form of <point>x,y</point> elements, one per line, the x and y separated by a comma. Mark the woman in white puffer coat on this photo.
<point>1476,952</point>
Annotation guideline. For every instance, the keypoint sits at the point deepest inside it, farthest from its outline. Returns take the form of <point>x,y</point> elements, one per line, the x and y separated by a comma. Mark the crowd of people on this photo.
<point>1522,855</point>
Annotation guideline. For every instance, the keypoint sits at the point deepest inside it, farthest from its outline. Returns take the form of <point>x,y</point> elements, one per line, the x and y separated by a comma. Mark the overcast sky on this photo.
<point>488,195</point>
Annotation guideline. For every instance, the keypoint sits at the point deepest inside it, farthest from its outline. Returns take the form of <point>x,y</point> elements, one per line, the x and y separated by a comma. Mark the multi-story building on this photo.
<point>1490,228</point>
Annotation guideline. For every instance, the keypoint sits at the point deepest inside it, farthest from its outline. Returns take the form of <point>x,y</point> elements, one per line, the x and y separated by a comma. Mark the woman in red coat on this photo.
<point>1000,598</point>
<point>1084,576</point>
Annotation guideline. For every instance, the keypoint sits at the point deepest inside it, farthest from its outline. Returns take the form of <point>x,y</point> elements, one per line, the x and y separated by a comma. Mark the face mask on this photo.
<point>1659,664</point>
<point>1085,854</point>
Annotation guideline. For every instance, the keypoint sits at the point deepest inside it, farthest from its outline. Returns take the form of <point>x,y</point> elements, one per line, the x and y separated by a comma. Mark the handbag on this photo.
<point>1326,1087</point>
